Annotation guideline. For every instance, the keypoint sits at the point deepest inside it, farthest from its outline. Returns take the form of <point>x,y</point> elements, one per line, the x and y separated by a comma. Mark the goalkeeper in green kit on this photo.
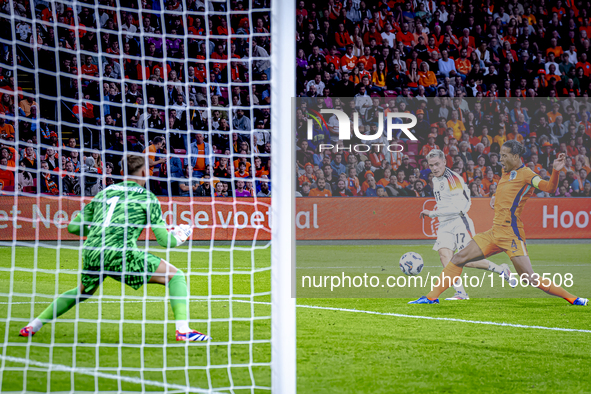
<point>112,223</point>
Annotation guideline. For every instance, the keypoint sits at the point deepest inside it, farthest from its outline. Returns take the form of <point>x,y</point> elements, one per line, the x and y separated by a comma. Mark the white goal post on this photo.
<point>283,308</point>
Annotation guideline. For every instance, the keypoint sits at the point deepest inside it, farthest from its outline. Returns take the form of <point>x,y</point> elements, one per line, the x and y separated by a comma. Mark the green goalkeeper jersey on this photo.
<point>119,214</point>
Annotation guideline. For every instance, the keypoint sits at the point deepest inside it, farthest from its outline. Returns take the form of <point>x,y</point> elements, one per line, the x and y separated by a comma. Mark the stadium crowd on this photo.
<point>469,131</point>
<point>80,86</point>
<point>475,73</point>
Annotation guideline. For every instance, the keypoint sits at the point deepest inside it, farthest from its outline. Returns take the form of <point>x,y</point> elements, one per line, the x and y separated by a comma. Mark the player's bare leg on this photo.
<point>58,307</point>
<point>168,275</point>
<point>445,255</point>
<point>503,270</point>
<point>526,272</point>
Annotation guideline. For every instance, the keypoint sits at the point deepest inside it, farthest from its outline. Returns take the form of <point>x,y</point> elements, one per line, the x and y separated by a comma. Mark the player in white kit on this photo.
<point>455,227</point>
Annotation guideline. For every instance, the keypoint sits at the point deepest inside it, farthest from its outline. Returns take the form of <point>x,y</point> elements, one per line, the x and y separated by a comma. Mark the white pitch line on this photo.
<point>451,319</point>
<point>433,266</point>
<point>127,301</point>
<point>91,372</point>
<point>490,323</point>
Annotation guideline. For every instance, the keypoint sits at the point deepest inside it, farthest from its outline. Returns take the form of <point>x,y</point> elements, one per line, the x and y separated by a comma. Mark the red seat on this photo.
<point>8,188</point>
<point>390,93</point>
<point>403,143</point>
<point>413,146</point>
<point>29,189</point>
<point>181,152</point>
<point>224,93</point>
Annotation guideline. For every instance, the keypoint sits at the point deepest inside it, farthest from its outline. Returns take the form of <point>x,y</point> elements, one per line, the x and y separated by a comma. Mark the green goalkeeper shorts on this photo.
<point>133,267</point>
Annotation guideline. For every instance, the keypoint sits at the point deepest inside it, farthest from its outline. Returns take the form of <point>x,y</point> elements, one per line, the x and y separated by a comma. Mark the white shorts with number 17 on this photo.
<point>454,234</point>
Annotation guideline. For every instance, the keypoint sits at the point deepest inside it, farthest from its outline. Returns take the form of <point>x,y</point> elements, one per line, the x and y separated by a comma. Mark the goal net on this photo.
<point>195,88</point>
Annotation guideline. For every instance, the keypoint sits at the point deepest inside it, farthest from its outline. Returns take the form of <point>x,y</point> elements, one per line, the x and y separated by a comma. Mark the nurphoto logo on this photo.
<point>345,131</point>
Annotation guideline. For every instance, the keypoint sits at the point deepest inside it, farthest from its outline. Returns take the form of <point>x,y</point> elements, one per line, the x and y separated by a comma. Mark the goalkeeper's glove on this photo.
<point>182,233</point>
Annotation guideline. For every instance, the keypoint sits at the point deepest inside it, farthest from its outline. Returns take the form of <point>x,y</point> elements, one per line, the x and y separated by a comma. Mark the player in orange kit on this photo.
<point>514,189</point>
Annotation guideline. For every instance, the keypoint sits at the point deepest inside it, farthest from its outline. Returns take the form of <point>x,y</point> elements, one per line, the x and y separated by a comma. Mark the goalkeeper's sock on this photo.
<point>445,280</point>
<point>178,301</point>
<point>36,324</point>
<point>58,307</point>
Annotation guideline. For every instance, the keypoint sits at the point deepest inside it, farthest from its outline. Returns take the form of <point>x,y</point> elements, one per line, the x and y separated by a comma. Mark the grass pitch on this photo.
<point>341,348</point>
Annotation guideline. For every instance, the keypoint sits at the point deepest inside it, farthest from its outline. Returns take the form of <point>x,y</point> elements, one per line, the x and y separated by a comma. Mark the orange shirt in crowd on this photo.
<point>486,183</point>
<point>151,155</point>
<point>349,62</point>
<point>428,148</point>
<point>427,79</point>
<point>89,70</point>
<point>557,51</point>
<point>7,131</point>
<point>343,39</point>
<point>237,162</point>
<point>318,193</point>
<point>368,62</point>
<point>406,38</point>
<point>200,163</point>
<point>305,178</point>
<point>6,178</point>
<point>463,66</point>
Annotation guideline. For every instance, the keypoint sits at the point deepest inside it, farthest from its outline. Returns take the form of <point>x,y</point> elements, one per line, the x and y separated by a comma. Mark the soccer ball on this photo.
<point>411,263</point>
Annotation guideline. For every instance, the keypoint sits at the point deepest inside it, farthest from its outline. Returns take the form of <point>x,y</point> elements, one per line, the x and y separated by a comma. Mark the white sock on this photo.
<point>36,324</point>
<point>459,287</point>
<point>182,326</point>
<point>494,267</point>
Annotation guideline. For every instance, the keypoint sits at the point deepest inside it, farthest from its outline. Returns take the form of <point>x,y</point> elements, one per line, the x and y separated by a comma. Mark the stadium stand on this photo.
<point>509,70</point>
<point>83,84</point>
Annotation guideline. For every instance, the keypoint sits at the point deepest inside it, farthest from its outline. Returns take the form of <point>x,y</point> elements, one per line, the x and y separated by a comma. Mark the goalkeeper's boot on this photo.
<point>506,274</point>
<point>193,336</point>
<point>26,332</point>
<point>425,300</point>
<point>460,295</point>
<point>581,301</point>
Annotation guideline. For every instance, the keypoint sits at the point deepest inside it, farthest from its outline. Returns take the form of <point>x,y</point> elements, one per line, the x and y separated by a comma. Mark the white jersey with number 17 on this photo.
<point>452,196</point>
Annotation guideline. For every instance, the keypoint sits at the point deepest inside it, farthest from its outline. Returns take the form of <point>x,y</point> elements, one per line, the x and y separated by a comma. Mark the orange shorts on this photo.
<point>502,239</point>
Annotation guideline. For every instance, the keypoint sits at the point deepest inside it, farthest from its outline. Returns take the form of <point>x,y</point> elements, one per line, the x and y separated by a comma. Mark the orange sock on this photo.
<point>445,280</point>
<point>558,292</point>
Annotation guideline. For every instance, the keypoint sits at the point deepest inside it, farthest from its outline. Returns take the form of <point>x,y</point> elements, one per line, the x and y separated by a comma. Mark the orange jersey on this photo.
<point>6,178</point>
<point>487,184</point>
<point>151,155</point>
<point>306,178</point>
<point>6,131</point>
<point>368,62</point>
<point>336,60</point>
<point>89,70</point>
<point>237,164</point>
<point>349,62</point>
<point>320,193</point>
<point>513,190</point>
<point>406,38</point>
